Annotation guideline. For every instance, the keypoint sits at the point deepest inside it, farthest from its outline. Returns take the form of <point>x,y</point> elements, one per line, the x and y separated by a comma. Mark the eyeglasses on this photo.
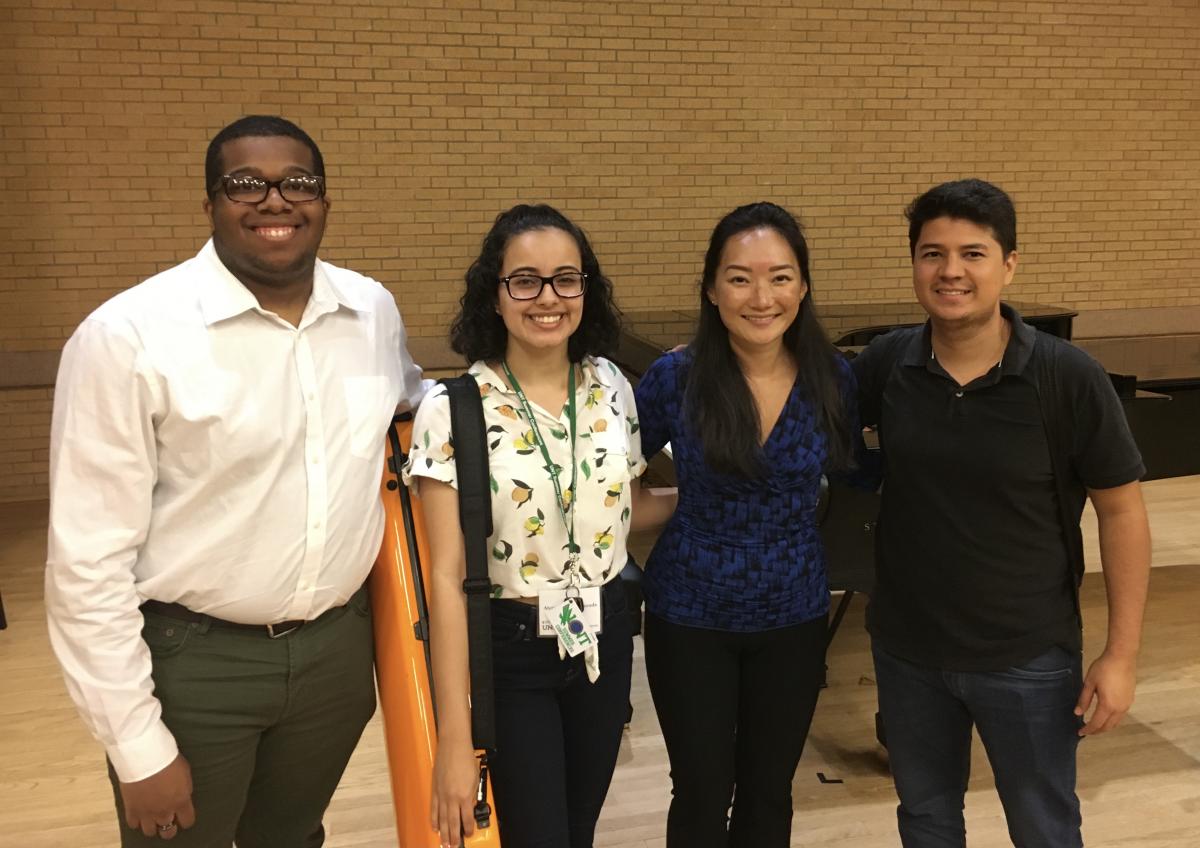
<point>529,286</point>
<point>243,188</point>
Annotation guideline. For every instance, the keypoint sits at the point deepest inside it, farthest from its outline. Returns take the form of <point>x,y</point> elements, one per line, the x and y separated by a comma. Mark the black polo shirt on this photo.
<point>972,571</point>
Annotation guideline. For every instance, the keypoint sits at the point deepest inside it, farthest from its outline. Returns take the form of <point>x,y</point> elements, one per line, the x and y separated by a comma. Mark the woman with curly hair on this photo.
<point>564,453</point>
<point>756,408</point>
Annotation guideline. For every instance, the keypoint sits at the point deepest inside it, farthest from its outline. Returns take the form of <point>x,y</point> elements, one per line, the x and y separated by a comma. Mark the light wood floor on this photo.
<point>1140,785</point>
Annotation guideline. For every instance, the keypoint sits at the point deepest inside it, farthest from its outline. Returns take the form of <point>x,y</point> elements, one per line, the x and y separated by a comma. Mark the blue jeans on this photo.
<point>1026,720</point>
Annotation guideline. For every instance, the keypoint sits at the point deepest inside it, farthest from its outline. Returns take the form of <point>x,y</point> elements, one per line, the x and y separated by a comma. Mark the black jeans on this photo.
<point>735,709</point>
<point>557,734</point>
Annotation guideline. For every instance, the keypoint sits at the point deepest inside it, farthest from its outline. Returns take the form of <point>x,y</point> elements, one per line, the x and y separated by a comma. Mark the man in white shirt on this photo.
<point>215,458</point>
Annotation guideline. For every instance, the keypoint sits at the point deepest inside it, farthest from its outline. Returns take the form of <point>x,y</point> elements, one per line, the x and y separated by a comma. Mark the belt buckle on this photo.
<point>276,634</point>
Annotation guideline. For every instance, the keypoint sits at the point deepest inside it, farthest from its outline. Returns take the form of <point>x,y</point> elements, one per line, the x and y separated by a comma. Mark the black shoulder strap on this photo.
<point>1056,420</point>
<point>475,516</point>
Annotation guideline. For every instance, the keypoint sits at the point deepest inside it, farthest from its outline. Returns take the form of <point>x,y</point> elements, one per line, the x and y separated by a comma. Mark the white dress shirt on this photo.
<point>206,452</point>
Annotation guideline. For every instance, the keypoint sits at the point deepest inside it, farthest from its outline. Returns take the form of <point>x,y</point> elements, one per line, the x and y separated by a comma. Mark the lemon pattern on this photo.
<point>529,546</point>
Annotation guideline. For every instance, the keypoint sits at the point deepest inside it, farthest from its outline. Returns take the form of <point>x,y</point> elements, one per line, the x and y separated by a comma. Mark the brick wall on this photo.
<point>644,121</point>
<point>25,425</point>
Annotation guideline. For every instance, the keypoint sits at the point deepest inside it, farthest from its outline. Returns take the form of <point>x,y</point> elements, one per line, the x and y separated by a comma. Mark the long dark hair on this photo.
<point>478,332</point>
<point>717,394</point>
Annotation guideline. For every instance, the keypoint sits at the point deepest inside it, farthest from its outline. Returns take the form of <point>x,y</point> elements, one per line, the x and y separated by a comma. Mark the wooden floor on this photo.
<point>1140,785</point>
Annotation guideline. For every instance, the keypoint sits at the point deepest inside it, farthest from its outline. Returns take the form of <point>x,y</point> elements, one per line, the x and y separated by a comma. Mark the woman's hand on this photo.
<point>455,782</point>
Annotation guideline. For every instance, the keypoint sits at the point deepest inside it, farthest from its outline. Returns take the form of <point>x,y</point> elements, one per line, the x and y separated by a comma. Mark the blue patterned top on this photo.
<point>738,555</point>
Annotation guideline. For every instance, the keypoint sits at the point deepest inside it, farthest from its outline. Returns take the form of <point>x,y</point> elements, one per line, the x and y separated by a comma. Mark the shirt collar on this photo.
<point>1016,352</point>
<point>485,374</point>
<point>222,295</point>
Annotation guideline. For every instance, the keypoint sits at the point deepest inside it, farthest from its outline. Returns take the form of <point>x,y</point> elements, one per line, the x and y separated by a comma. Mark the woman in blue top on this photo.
<point>756,408</point>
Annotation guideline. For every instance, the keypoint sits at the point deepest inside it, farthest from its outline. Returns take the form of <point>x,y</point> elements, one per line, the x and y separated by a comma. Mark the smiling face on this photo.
<point>273,243</point>
<point>757,288</point>
<point>547,321</point>
<point>959,272</point>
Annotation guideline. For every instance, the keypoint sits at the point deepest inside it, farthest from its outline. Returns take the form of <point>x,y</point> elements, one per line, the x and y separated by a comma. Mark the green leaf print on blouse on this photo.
<point>586,468</point>
<point>535,525</point>
<point>495,486</point>
<point>502,551</point>
<point>447,450</point>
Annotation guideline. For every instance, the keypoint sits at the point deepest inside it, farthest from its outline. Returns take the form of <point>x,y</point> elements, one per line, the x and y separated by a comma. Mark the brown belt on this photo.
<point>182,613</point>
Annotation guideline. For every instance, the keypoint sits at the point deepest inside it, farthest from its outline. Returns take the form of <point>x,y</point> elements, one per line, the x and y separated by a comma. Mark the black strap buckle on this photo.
<point>477,585</point>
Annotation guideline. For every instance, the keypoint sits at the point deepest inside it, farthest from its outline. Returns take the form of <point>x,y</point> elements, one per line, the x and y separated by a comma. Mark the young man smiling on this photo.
<point>215,455</point>
<point>975,617</point>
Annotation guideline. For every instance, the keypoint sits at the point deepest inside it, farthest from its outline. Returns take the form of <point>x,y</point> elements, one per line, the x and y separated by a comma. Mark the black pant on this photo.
<point>735,709</point>
<point>557,734</point>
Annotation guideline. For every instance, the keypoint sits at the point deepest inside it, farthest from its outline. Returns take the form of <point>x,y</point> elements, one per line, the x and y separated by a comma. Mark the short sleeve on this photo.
<point>633,430</point>
<point>432,451</point>
<point>1104,451</point>
<point>866,367</point>
<point>651,396</point>
<point>866,472</point>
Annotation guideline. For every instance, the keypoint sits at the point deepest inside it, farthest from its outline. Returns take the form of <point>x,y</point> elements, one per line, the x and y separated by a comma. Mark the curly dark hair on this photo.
<point>478,332</point>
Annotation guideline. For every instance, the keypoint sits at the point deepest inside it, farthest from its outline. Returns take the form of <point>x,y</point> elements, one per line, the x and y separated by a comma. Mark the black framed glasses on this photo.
<point>246,188</point>
<point>529,286</point>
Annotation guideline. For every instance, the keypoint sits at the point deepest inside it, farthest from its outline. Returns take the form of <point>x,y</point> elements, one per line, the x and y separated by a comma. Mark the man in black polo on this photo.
<point>993,434</point>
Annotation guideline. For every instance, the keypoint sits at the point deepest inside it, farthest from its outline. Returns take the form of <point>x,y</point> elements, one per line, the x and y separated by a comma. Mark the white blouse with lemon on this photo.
<point>528,545</point>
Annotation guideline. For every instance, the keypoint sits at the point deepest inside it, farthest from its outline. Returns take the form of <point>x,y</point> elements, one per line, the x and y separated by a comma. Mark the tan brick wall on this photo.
<point>25,426</point>
<point>645,121</point>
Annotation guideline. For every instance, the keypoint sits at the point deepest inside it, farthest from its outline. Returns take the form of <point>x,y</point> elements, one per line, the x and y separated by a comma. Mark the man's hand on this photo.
<point>164,798</point>
<point>1110,683</point>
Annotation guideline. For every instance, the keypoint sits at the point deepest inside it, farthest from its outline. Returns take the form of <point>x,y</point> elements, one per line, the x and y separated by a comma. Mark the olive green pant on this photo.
<point>267,725</point>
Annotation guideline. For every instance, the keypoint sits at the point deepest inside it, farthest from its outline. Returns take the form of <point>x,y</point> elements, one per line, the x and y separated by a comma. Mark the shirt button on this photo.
<point>316,460</point>
<point>316,525</point>
<point>958,394</point>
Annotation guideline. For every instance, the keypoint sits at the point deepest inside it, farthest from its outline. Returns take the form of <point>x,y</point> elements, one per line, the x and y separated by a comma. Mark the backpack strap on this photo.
<point>1056,420</point>
<point>475,515</point>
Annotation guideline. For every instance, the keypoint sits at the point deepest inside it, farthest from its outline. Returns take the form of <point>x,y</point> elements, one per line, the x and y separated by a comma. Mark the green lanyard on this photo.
<point>563,507</point>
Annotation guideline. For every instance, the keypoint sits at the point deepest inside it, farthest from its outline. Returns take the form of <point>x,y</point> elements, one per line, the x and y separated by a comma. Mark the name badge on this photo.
<point>552,609</point>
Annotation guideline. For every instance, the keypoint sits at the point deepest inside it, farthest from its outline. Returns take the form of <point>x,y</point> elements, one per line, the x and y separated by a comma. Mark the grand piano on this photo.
<point>1162,415</point>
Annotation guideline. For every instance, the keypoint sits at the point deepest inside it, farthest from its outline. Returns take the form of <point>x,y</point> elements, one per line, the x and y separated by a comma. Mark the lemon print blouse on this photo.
<point>529,540</point>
